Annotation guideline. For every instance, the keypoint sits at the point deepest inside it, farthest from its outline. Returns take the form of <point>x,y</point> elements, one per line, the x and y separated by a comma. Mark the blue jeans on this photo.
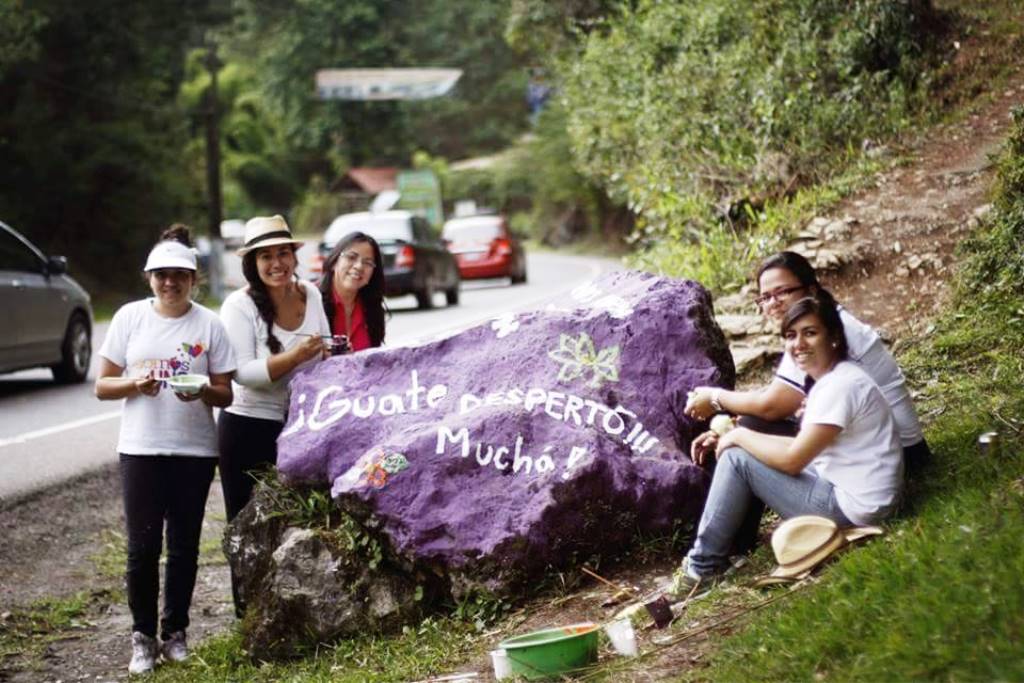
<point>742,481</point>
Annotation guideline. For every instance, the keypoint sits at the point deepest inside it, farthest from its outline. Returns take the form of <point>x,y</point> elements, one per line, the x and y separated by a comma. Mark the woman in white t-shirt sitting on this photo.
<point>277,326</point>
<point>783,279</point>
<point>168,442</point>
<point>844,463</point>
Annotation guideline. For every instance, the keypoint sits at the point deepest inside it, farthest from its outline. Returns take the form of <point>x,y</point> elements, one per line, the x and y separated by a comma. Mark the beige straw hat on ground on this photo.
<point>802,543</point>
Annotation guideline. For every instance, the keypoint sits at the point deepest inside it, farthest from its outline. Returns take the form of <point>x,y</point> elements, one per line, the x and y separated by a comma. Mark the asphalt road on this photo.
<point>50,434</point>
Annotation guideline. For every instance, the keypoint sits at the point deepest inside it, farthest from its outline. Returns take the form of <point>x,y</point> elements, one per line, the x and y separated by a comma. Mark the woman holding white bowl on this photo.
<point>168,441</point>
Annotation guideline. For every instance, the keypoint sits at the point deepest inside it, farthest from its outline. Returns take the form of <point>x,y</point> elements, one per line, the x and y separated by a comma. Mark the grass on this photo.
<point>432,647</point>
<point>25,633</point>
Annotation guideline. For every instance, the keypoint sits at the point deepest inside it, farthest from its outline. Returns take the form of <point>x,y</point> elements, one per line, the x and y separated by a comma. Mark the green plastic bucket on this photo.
<point>552,651</point>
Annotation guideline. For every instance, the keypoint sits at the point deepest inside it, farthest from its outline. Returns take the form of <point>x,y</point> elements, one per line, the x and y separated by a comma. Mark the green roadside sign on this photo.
<point>420,193</point>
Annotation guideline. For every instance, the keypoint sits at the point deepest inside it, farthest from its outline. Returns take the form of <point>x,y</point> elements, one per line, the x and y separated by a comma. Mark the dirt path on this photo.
<point>69,542</point>
<point>903,229</point>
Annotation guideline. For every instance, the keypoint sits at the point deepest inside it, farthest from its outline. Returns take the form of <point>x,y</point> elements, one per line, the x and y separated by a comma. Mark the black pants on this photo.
<point>159,489</point>
<point>247,445</point>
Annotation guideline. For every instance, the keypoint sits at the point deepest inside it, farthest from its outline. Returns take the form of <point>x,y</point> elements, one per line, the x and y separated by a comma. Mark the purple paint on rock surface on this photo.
<point>510,446</point>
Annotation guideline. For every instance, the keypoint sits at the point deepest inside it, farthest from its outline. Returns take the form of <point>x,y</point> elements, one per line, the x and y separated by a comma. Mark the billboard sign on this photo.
<point>384,84</point>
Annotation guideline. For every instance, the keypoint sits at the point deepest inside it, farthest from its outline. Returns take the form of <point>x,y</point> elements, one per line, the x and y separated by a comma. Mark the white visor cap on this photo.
<point>171,254</point>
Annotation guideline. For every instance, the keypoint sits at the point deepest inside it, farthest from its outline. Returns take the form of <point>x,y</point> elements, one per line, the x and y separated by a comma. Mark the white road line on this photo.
<point>56,429</point>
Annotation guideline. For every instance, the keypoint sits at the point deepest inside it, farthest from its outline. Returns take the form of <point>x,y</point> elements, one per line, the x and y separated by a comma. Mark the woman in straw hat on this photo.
<point>845,463</point>
<point>277,326</point>
<point>167,443</point>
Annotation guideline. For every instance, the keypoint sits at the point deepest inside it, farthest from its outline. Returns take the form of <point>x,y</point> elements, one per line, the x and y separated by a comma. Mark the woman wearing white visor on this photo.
<point>168,440</point>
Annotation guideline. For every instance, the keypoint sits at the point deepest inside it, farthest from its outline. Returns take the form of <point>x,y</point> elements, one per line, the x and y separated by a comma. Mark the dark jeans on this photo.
<point>159,489</point>
<point>247,445</point>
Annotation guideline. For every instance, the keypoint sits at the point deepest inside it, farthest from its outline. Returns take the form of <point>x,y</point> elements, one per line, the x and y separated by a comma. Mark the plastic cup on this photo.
<point>622,637</point>
<point>502,668</point>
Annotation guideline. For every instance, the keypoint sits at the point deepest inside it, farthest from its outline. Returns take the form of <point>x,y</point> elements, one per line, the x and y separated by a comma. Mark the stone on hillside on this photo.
<point>522,444</point>
<point>749,359</point>
<point>304,586</point>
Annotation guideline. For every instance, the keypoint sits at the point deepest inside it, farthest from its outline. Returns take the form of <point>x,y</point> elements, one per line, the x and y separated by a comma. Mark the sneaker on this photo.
<point>687,585</point>
<point>143,653</point>
<point>174,648</point>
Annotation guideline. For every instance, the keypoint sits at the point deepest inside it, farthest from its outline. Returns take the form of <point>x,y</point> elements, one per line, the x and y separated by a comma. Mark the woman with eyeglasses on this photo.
<point>352,290</point>
<point>844,463</point>
<point>277,326</point>
<point>784,279</point>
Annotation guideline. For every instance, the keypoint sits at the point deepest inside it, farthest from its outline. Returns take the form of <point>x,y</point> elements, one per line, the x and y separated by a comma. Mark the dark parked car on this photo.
<point>484,247</point>
<point>415,260</point>
<point>49,317</point>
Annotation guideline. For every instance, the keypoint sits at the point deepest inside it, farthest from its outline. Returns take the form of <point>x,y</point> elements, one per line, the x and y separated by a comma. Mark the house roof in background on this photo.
<point>368,180</point>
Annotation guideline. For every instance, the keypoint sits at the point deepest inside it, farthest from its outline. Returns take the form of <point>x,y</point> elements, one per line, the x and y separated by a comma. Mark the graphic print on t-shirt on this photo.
<point>162,368</point>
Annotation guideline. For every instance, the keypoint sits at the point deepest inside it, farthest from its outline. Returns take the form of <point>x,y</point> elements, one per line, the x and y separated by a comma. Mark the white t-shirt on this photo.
<point>255,394</point>
<point>142,341</point>
<point>865,462</point>
<point>868,351</point>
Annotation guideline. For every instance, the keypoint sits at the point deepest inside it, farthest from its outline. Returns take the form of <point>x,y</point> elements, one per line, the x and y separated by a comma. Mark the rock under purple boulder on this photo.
<point>518,444</point>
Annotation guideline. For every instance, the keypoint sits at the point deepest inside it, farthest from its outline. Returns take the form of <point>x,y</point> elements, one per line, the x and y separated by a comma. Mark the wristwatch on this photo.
<point>716,403</point>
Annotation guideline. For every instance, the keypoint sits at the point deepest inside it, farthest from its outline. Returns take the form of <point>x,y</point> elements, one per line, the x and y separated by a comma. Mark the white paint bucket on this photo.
<point>502,667</point>
<point>622,637</point>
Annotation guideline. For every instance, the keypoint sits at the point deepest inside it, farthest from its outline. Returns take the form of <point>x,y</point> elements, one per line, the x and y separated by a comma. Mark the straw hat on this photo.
<point>266,231</point>
<point>802,543</point>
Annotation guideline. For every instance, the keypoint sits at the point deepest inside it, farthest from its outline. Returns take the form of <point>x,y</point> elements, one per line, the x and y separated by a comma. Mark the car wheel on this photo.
<point>452,296</point>
<point>425,297</point>
<point>76,352</point>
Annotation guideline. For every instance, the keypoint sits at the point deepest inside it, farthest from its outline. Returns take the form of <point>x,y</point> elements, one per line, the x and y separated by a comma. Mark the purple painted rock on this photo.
<point>522,443</point>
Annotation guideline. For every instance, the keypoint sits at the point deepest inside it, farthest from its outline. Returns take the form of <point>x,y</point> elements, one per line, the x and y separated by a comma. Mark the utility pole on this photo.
<point>214,213</point>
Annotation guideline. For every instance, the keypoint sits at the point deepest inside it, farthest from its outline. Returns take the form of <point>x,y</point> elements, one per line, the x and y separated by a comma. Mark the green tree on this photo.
<point>91,138</point>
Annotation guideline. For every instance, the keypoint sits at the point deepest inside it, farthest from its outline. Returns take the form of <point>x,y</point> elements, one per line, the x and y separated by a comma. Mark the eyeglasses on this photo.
<point>351,258</point>
<point>776,295</point>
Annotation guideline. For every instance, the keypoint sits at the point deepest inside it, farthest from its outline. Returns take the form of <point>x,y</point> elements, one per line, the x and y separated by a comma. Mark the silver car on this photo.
<point>48,315</point>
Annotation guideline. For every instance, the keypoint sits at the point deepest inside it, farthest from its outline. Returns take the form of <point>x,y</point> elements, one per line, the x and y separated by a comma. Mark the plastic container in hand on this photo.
<point>187,384</point>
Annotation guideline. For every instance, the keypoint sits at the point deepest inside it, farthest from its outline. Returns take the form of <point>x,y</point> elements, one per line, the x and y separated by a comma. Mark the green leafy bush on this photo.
<point>691,111</point>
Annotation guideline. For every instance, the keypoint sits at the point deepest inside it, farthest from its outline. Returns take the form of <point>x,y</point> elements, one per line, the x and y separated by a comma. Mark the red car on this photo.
<point>484,247</point>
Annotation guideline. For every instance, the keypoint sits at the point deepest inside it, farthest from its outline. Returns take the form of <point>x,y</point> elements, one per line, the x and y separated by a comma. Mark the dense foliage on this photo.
<point>696,113</point>
<point>102,141</point>
<point>91,137</point>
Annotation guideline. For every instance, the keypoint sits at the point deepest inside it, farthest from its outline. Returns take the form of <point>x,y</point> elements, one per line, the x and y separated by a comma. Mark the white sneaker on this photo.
<point>174,648</point>
<point>143,653</point>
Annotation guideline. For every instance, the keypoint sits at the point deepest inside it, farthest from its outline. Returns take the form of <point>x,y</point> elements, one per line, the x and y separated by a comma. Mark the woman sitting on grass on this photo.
<point>783,279</point>
<point>844,463</point>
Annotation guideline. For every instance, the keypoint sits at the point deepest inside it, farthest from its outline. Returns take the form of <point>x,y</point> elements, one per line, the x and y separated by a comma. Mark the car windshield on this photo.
<point>381,228</point>
<point>478,230</point>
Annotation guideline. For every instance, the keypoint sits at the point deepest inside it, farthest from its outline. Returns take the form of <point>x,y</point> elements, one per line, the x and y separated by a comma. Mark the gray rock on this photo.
<point>306,586</point>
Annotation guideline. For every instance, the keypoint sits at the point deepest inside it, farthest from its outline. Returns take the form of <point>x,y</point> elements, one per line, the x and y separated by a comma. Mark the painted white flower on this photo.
<point>579,357</point>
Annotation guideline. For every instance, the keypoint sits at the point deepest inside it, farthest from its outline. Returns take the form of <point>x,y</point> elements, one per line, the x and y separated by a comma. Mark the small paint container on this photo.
<point>502,668</point>
<point>622,637</point>
<point>988,444</point>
